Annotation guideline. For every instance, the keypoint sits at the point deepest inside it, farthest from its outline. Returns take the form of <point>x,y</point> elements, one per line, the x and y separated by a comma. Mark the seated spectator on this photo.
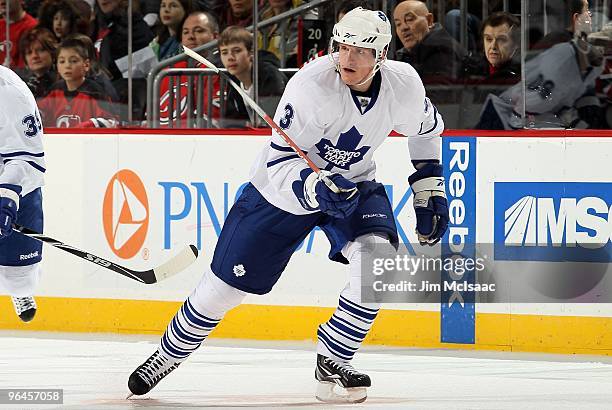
<point>199,28</point>
<point>75,100</point>
<point>20,22</point>
<point>172,14</point>
<point>427,46</point>
<point>61,17</point>
<point>114,38</point>
<point>452,23</point>
<point>579,24</point>
<point>501,41</point>
<point>38,46</point>
<point>559,93</point>
<point>281,38</point>
<point>236,50</point>
<point>239,13</point>
<point>96,72</point>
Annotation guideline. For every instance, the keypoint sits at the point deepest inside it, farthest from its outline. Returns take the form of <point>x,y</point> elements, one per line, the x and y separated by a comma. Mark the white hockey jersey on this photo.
<point>321,115</point>
<point>21,149</point>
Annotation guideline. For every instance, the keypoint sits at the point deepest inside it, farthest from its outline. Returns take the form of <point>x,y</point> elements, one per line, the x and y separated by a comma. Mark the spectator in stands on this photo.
<point>38,46</point>
<point>76,100</point>
<point>114,38</point>
<point>579,24</point>
<point>20,22</point>
<point>61,17</point>
<point>199,28</point>
<point>348,5</point>
<point>500,41</point>
<point>172,14</point>
<point>427,46</point>
<point>96,72</point>
<point>452,23</point>
<point>281,38</point>
<point>236,49</point>
<point>560,86</point>
<point>239,13</point>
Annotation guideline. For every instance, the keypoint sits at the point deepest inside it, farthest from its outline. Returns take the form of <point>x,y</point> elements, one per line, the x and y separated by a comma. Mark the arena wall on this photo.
<point>181,185</point>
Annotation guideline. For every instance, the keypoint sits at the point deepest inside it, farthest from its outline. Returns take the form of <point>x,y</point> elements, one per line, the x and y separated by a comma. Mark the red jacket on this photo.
<point>65,109</point>
<point>182,84</point>
<point>16,31</point>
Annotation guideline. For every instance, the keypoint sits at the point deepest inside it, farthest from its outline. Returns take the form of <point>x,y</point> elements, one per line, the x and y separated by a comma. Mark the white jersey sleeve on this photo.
<point>422,123</point>
<point>302,116</point>
<point>21,148</point>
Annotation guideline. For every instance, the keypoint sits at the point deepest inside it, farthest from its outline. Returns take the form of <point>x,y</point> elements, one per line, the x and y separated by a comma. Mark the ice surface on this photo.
<point>93,372</point>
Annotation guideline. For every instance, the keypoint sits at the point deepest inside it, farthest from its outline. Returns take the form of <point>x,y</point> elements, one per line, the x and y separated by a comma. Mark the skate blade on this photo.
<point>129,395</point>
<point>332,393</point>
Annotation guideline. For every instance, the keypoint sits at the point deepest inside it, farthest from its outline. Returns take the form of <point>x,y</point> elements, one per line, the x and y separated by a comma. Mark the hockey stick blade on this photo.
<point>175,265</point>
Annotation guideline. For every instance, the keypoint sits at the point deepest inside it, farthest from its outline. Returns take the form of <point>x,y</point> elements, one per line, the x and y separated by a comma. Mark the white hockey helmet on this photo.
<point>364,28</point>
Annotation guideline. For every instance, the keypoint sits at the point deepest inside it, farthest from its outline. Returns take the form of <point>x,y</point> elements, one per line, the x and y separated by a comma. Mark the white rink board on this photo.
<point>80,168</point>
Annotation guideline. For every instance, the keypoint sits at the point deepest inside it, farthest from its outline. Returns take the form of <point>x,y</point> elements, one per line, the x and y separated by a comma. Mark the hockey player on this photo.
<point>338,108</point>
<point>21,176</point>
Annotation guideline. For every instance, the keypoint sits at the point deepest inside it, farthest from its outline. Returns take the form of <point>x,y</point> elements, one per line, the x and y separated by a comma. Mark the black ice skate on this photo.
<point>25,307</point>
<point>331,373</point>
<point>147,375</point>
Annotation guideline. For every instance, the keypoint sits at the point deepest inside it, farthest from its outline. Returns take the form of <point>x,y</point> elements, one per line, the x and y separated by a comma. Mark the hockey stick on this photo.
<point>247,98</point>
<point>175,265</point>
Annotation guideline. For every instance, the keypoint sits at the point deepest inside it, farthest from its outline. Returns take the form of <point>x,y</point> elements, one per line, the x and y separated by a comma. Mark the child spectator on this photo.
<point>172,14</point>
<point>236,49</point>
<point>60,17</point>
<point>76,101</point>
<point>38,46</point>
<point>20,22</point>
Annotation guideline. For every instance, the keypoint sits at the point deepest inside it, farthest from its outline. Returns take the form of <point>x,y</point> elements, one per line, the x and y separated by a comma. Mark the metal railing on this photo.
<point>153,97</point>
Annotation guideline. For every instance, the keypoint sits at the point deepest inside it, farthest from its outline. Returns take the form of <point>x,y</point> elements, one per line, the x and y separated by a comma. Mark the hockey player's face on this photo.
<point>38,59</point>
<point>356,63</point>
<point>412,22</point>
<point>236,58</point>
<point>72,67</point>
<point>498,44</point>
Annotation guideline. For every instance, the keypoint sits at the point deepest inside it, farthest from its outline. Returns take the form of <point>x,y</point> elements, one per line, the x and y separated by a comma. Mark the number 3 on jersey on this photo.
<point>285,122</point>
<point>33,125</point>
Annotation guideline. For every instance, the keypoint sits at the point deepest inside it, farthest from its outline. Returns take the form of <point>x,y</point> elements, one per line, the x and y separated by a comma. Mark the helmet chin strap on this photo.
<point>372,73</point>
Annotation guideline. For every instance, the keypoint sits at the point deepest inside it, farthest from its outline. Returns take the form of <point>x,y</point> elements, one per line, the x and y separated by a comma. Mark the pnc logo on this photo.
<point>125,214</point>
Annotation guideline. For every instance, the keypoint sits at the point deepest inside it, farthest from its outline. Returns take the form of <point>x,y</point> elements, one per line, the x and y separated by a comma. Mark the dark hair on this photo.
<point>236,34</point>
<point>50,8</point>
<point>40,34</point>
<point>79,43</point>
<point>212,23</point>
<point>162,31</point>
<point>500,18</point>
<point>348,5</point>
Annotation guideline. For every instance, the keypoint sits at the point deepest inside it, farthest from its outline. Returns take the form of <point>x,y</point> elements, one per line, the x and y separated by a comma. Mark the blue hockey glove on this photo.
<point>430,204</point>
<point>330,193</point>
<point>9,204</point>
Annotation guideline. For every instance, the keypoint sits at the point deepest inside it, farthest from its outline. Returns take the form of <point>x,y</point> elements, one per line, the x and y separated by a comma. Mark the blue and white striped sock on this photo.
<point>186,332</point>
<point>341,336</point>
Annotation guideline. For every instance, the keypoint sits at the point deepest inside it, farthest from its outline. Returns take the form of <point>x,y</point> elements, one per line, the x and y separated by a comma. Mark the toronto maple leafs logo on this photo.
<point>345,152</point>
